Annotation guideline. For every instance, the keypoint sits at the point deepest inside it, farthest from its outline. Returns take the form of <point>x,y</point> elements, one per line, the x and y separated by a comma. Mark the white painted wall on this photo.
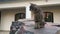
<point>7,16</point>
<point>0,23</point>
<point>26,3</point>
<point>57,16</point>
<point>56,13</point>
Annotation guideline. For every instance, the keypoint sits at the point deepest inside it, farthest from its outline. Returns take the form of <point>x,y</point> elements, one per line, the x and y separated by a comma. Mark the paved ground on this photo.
<point>49,29</point>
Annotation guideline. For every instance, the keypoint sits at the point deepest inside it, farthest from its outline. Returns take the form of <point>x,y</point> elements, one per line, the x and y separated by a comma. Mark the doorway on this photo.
<point>48,17</point>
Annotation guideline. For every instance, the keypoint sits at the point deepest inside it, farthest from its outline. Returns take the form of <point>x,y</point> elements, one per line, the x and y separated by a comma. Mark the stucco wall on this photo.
<point>7,16</point>
<point>56,13</point>
<point>54,10</point>
<point>26,3</point>
<point>57,16</point>
<point>0,23</point>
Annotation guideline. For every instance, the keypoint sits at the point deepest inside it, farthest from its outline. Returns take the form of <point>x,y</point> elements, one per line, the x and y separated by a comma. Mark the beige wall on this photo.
<point>7,16</point>
<point>0,23</point>
<point>26,3</point>
<point>56,13</point>
<point>57,16</point>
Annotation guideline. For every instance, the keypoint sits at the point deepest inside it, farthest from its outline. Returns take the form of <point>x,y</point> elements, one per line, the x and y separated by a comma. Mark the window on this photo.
<point>19,16</point>
<point>48,16</point>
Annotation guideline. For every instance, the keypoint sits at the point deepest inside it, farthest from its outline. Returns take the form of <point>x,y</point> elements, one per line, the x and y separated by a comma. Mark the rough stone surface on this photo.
<point>49,29</point>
